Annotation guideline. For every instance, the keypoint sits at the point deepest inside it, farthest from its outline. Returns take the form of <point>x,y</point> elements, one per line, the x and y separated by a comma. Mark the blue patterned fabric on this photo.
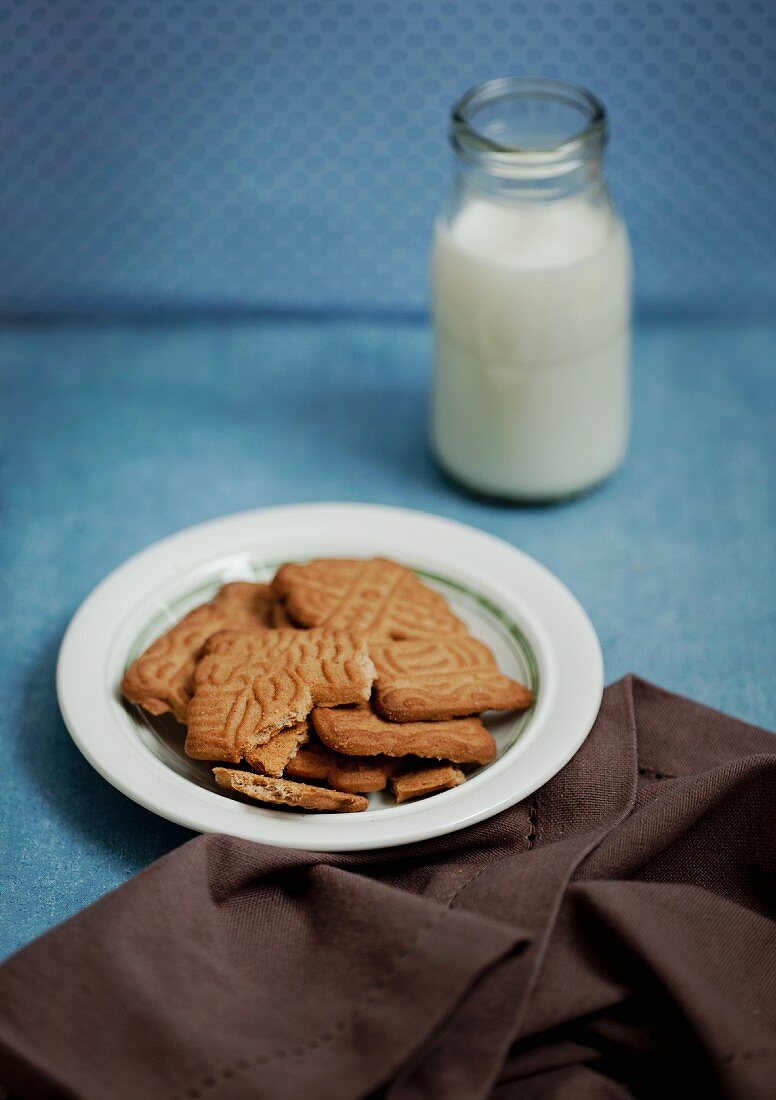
<point>164,154</point>
<point>111,438</point>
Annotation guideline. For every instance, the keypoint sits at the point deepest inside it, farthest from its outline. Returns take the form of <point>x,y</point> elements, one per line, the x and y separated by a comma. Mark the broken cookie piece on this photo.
<point>358,731</point>
<point>356,774</point>
<point>248,687</point>
<point>273,757</point>
<point>424,781</point>
<point>264,788</point>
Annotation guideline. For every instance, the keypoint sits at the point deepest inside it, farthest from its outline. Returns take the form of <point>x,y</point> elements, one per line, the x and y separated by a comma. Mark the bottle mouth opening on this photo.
<point>528,122</point>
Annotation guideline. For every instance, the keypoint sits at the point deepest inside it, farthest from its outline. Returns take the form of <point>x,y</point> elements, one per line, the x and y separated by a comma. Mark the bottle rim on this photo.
<point>478,146</point>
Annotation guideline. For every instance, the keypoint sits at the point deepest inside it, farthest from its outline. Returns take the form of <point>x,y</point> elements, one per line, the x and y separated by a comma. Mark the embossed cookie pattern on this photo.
<point>378,597</point>
<point>161,679</point>
<point>247,687</point>
<point>341,678</point>
<point>428,680</point>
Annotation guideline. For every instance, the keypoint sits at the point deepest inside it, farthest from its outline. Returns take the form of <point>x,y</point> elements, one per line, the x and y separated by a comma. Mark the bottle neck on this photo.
<point>532,182</point>
<point>529,140</point>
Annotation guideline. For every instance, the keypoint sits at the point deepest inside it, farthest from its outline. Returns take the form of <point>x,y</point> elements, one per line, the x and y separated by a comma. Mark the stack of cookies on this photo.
<point>339,678</point>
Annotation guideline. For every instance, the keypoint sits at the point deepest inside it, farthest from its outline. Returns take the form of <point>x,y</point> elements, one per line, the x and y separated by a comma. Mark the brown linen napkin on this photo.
<point>612,936</point>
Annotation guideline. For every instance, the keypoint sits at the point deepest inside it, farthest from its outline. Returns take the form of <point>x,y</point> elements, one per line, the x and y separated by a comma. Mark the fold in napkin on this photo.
<point>611,936</point>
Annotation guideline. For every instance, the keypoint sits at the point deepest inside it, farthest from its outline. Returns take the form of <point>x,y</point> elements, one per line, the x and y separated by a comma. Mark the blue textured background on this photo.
<point>114,437</point>
<point>293,153</point>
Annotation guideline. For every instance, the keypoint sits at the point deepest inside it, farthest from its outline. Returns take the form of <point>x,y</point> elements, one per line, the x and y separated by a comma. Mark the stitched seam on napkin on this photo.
<point>378,988</point>
<point>652,773</point>
<point>209,1081</point>
<point>533,817</point>
<point>738,1055</point>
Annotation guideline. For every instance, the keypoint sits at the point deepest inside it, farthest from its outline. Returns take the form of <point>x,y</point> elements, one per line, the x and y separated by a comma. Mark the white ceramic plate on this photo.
<point>533,624</point>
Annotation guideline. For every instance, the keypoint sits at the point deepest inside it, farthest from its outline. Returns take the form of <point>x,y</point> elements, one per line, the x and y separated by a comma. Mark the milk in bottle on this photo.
<point>531,298</point>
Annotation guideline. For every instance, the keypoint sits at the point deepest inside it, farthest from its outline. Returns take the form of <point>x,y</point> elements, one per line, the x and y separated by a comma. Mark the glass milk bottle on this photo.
<point>531,297</point>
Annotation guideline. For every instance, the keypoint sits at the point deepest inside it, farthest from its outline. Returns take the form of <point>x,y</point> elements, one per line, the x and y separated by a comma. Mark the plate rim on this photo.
<point>397,833</point>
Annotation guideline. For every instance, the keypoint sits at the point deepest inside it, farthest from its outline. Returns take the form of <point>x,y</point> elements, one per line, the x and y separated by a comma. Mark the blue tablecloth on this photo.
<point>116,436</point>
